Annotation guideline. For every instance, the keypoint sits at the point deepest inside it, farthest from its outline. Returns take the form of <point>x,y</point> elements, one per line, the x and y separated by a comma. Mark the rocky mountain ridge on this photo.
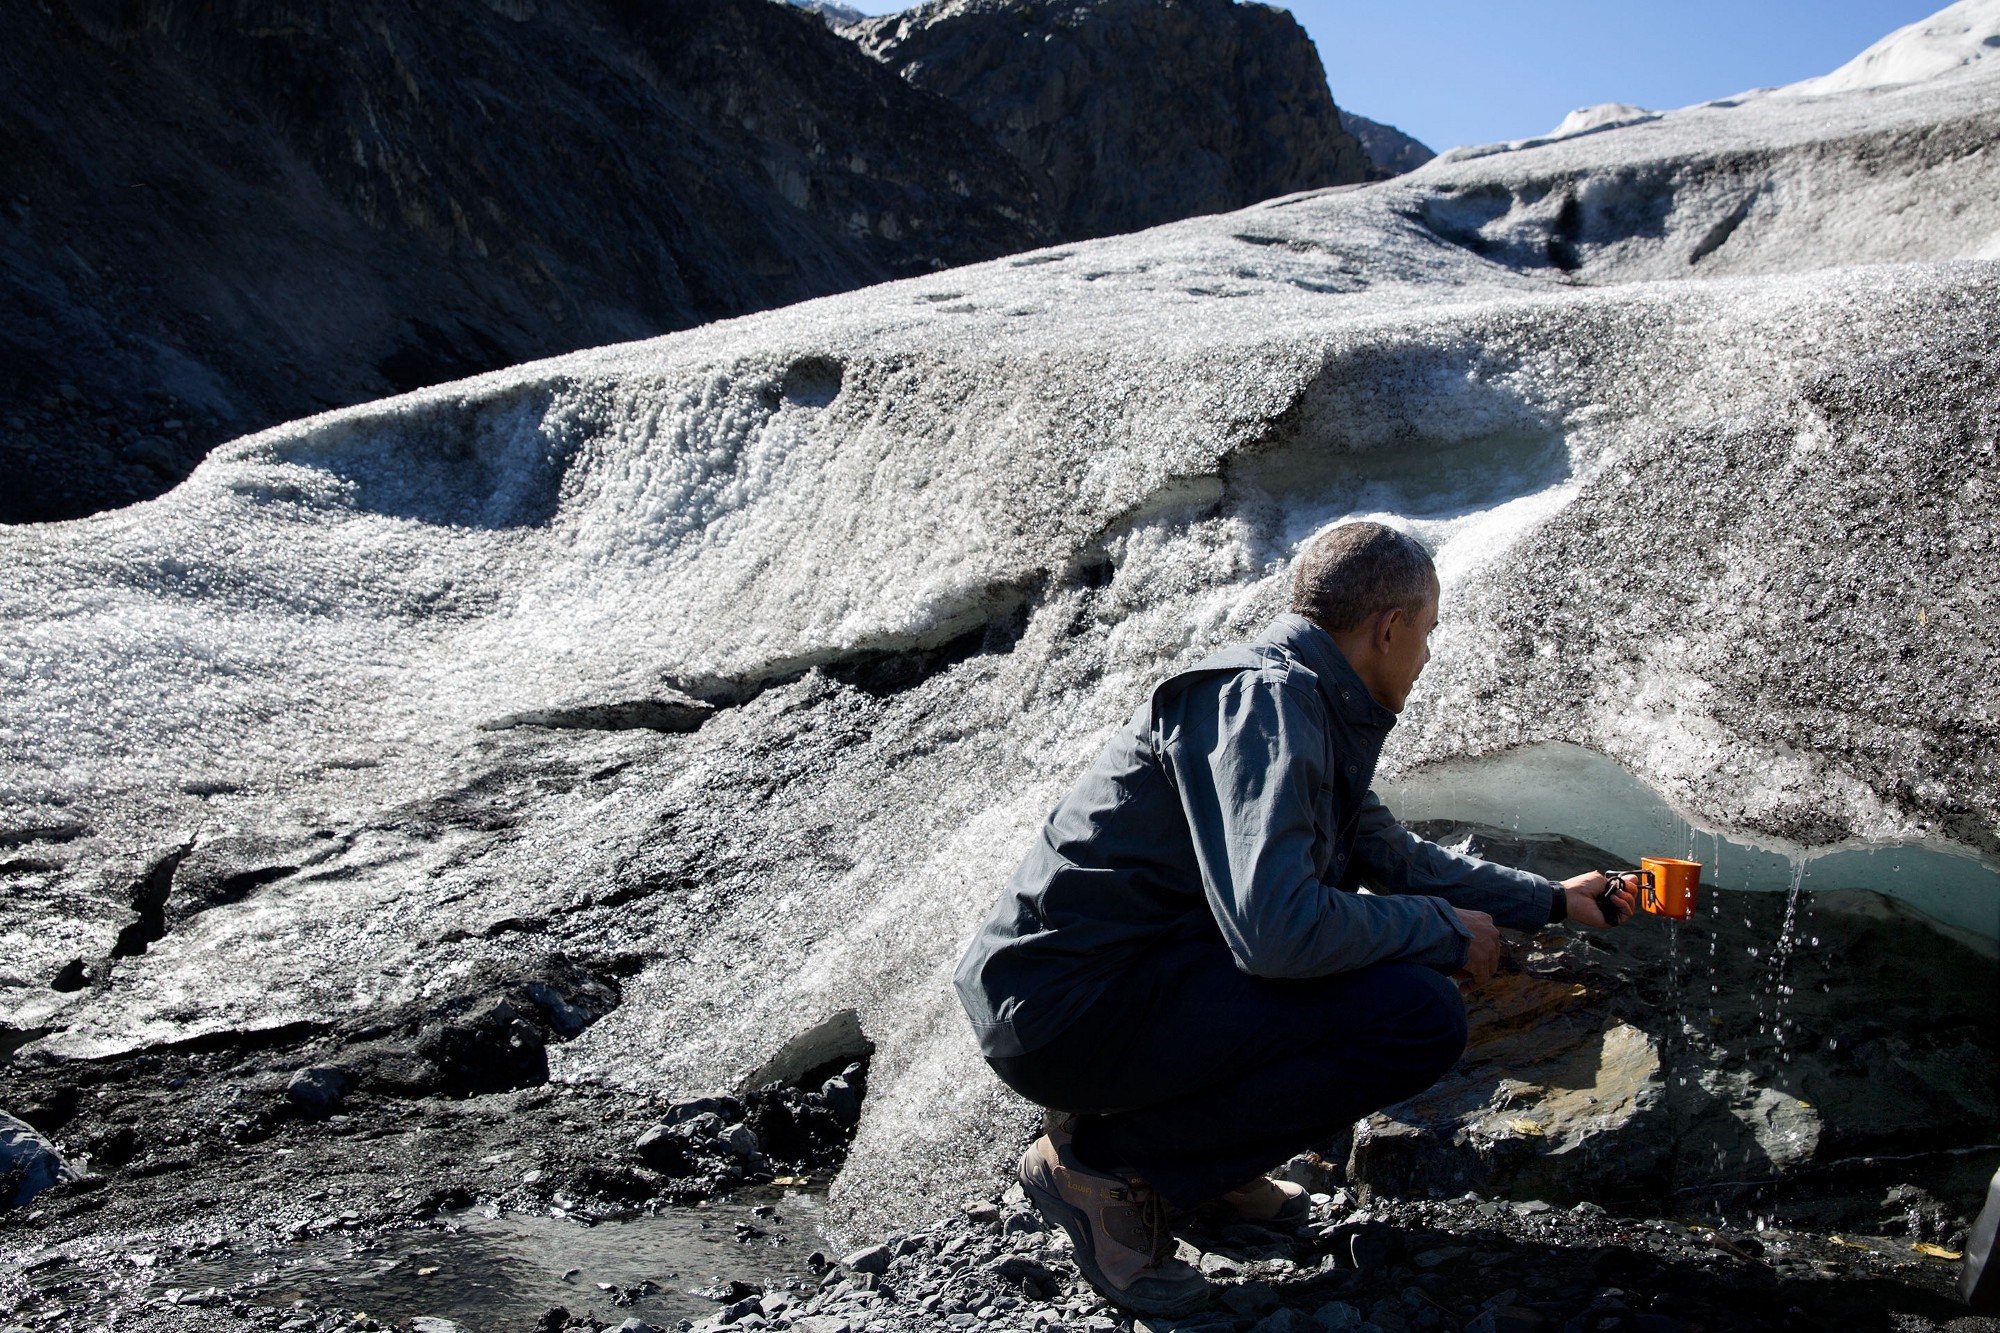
<point>211,223</point>
<point>1131,113</point>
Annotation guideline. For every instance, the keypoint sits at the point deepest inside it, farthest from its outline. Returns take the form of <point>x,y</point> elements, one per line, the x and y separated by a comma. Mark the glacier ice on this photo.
<point>1701,414</point>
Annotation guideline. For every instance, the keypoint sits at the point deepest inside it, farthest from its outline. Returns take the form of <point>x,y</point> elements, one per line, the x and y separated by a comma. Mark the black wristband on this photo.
<point>1558,904</point>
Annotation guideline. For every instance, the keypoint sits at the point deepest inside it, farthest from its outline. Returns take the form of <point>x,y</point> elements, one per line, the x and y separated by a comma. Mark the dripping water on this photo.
<point>1782,977</point>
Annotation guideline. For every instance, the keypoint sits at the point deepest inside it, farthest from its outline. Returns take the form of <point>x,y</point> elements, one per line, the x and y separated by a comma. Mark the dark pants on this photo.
<point>1197,1077</point>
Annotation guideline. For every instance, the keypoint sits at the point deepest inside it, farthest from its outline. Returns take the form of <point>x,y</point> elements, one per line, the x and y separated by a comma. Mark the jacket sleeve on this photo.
<point>1247,756</point>
<point>1394,860</point>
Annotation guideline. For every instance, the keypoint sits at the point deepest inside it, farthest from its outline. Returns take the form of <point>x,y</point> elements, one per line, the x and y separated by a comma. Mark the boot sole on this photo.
<point>1077,1227</point>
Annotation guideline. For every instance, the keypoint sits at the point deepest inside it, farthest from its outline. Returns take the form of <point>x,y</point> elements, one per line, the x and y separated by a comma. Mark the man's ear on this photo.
<point>1386,626</point>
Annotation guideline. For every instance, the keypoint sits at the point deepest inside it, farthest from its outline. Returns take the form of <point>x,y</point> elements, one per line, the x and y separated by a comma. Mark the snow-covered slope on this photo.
<point>1955,37</point>
<point>920,546</point>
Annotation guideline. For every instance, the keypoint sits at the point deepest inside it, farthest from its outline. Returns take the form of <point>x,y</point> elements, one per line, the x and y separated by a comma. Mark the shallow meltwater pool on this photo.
<point>1566,789</point>
<point>506,1270</point>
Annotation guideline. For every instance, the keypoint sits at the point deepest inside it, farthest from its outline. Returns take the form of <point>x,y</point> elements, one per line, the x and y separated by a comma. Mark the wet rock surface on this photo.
<point>207,1170</point>
<point>1812,1043</point>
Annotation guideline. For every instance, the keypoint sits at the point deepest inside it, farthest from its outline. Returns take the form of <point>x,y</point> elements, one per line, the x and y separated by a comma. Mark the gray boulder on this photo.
<point>29,1163</point>
<point>318,1089</point>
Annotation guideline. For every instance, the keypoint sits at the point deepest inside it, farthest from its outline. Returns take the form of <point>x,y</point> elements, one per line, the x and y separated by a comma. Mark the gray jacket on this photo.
<point>1235,802</point>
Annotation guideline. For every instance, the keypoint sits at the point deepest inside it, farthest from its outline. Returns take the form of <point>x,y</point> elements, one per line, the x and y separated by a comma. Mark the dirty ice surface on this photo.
<point>1700,413</point>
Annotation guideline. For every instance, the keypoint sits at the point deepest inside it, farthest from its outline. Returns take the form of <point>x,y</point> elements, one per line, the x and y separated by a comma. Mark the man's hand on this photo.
<point>1588,900</point>
<point>1482,951</point>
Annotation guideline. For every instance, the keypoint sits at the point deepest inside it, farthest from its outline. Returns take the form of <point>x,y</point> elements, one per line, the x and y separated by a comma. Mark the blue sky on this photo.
<point>1458,71</point>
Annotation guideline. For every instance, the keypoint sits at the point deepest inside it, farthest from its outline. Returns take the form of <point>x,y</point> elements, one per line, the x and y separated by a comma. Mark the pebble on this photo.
<point>874,1259</point>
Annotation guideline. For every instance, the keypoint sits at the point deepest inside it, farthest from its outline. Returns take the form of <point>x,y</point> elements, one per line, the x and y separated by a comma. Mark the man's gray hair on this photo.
<point>1348,575</point>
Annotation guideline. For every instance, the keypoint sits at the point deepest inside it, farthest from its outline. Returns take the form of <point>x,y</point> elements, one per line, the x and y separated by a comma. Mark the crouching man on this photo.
<point>1182,968</point>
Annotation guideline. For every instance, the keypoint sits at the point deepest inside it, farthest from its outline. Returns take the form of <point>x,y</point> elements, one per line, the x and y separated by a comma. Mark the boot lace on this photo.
<point>1156,1218</point>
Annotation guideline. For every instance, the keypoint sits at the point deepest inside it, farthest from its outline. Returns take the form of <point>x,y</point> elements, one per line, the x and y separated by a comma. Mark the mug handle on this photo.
<point>1615,915</point>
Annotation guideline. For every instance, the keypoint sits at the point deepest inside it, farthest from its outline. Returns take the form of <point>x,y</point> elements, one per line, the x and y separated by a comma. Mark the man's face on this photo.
<point>1405,654</point>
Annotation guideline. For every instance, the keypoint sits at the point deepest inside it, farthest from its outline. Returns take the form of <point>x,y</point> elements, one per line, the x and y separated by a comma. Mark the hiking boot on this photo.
<point>1117,1227</point>
<point>1269,1202</point>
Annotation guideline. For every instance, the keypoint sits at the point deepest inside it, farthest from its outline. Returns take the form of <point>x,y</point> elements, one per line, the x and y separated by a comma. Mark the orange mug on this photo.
<point>1667,885</point>
<point>1674,888</point>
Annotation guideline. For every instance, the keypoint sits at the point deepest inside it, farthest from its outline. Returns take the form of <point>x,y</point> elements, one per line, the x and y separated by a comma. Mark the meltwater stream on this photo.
<point>484,1269</point>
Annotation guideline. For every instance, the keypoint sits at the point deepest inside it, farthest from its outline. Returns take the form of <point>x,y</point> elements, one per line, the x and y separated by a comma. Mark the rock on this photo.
<point>738,1140</point>
<point>1214,1265</point>
<point>1249,1298</point>
<point>1032,1276</point>
<point>1336,1317</point>
<point>661,709</point>
<point>710,1111</point>
<point>1389,151</point>
<point>153,452</point>
<point>490,1048</point>
<point>318,1088</point>
<point>798,1128</point>
<point>430,1323</point>
<point>836,1041</point>
<point>843,1101</point>
<point>1442,1255</point>
<point>874,1259</point>
<point>1280,1321</point>
<point>636,1325</point>
<point>1132,113</point>
<point>29,1163</point>
<point>1372,1246</point>
<point>1505,1319</point>
<point>661,1148</point>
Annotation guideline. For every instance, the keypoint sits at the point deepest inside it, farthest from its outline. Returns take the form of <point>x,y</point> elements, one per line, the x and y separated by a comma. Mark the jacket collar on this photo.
<point>1342,689</point>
